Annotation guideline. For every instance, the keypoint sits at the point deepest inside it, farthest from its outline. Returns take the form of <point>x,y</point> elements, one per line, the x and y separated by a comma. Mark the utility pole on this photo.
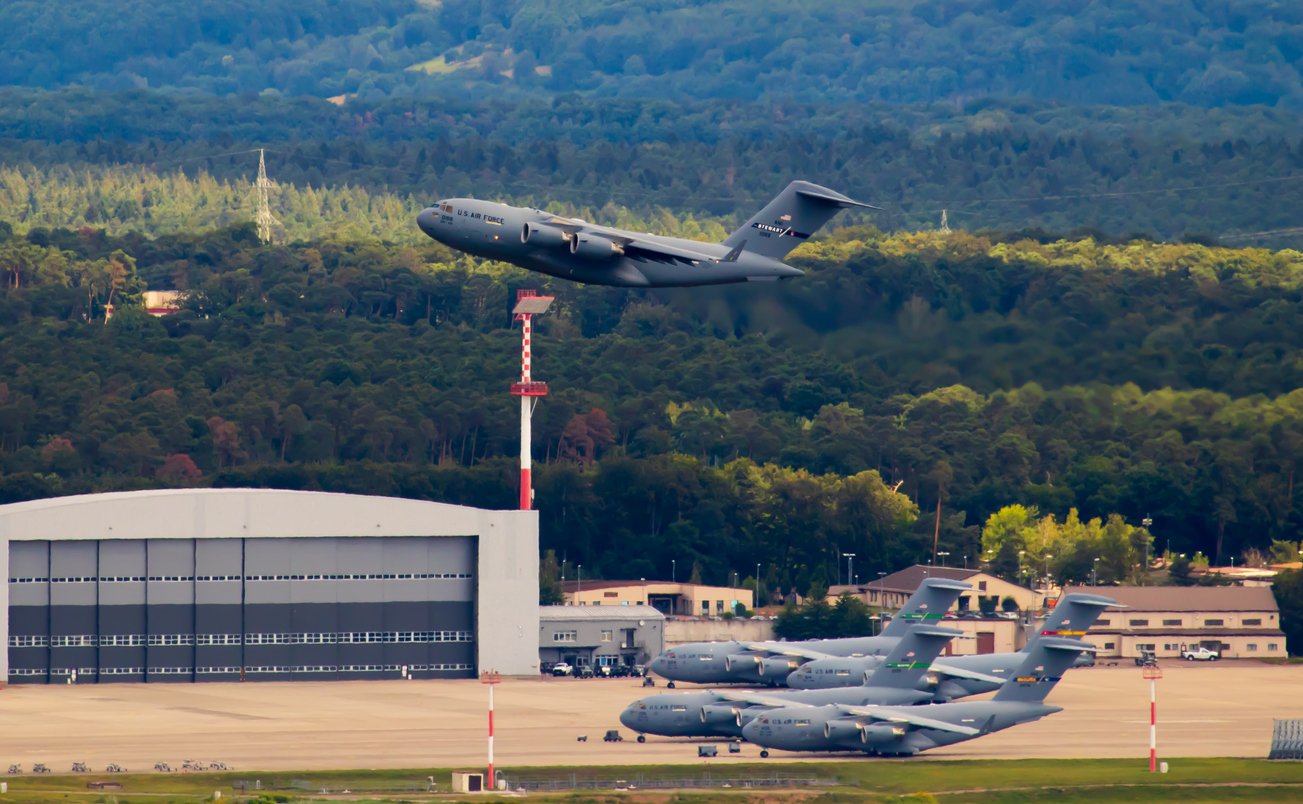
<point>945,223</point>
<point>263,185</point>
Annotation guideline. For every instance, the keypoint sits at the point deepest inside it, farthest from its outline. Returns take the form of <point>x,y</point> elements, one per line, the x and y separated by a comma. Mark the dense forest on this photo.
<point>154,163</point>
<point>1204,52</point>
<point>727,426</point>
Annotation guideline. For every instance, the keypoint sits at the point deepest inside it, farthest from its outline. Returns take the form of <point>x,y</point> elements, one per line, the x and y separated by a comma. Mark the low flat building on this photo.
<point>1240,622</point>
<point>592,636</point>
<point>670,598</point>
<point>891,591</point>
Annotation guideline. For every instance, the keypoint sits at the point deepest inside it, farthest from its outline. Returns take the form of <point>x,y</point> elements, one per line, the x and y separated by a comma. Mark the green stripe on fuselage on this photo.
<point>923,616</point>
<point>909,665</point>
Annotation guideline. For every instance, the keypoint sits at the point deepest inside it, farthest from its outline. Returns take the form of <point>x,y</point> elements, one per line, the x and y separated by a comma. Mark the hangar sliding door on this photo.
<point>241,609</point>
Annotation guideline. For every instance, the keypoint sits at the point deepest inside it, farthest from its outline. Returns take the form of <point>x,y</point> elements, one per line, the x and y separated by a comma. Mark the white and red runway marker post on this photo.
<point>528,305</point>
<point>1152,673</point>
<point>491,678</point>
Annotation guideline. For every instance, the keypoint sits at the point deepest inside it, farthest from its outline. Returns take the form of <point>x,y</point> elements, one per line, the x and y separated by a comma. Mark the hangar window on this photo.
<point>1171,622</point>
<point>27,642</point>
<point>1272,646</point>
<point>1138,622</point>
<point>73,641</point>
<point>1214,622</point>
<point>1101,621</point>
<point>1145,646</point>
<point>608,636</point>
<point>1253,621</point>
<point>1253,646</point>
<point>121,640</point>
<point>565,636</point>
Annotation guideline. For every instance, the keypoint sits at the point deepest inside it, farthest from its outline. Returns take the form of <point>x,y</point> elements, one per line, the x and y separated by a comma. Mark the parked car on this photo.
<point>584,671</point>
<point>562,669</point>
<point>1200,653</point>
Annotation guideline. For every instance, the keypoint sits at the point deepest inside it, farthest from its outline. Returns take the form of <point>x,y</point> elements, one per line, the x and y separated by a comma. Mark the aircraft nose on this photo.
<point>751,730</point>
<point>627,719</point>
<point>426,220</point>
<point>657,665</point>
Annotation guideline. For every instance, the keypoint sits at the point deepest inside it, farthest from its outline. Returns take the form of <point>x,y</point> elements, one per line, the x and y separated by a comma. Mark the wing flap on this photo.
<point>787,650</point>
<point>893,715</point>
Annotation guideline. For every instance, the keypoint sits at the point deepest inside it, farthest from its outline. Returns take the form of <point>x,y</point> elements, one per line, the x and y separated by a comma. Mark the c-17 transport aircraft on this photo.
<point>772,662</point>
<point>1072,617</point>
<point>723,713</point>
<point>601,255</point>
<point>907,730</point>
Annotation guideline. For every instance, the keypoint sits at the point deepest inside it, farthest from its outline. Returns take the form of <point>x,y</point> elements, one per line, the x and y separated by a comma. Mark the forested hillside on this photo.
<point>138,162</point>
<point>1203,52</point>
<point>731,425</point>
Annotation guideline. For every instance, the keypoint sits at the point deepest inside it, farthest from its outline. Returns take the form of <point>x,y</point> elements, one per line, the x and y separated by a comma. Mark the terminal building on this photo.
<point>263,585</point>
<point>1239,622</point>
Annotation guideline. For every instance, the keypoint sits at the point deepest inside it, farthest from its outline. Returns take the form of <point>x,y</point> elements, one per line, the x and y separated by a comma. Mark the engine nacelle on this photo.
<point>719,714</point>
<point>879,733</point>
<point>776,670</point>
<point>536,235</point>
<point>741,663</point>
<point>594,248</point>
<point>843,731</point>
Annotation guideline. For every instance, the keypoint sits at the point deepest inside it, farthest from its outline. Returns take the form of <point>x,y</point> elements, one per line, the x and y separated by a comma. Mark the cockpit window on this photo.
<point>446,208</point>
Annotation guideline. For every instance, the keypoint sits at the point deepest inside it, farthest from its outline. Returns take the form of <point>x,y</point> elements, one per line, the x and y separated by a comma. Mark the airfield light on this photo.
<point>528,305</point>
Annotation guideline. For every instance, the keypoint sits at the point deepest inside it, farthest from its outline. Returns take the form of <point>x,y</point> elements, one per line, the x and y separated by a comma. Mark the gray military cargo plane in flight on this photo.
<point>772,662</point>
<point>1072,617</point>
<point>723,713</point>
<point>907,730</point>
<point>601,255</point>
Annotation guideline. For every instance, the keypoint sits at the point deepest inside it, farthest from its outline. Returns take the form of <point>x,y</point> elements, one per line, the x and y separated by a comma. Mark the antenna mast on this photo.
<point>264,219</point>
<point>945,223</point>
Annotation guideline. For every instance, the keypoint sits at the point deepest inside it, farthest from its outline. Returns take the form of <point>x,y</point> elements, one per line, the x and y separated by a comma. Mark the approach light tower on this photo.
<point>528,305</point>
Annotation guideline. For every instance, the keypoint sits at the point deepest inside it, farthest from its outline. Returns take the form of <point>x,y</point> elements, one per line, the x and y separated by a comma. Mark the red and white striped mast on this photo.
<point>1152,673</point>
<point>528,305</point>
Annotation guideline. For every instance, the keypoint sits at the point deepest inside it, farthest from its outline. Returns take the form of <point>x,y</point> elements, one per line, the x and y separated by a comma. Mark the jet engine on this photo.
<point>594,248</point>
<point>879,733</point>
<point>536,235</point>
<point>776,670</point>
<point>843,731</point>
<point>741,663</point>
<point>720,714</point>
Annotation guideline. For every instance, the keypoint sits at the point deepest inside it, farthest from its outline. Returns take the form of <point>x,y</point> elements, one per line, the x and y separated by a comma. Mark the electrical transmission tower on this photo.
<point>945,223</point>
<point>264,186</point>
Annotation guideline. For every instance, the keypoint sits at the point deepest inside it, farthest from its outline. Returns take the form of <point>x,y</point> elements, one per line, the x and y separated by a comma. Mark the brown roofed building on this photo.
<point>670,598</point>
<point>1240,622</point>
<point>891,591</point>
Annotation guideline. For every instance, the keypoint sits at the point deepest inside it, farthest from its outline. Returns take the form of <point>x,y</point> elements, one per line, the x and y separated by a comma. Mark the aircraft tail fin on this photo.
<point>788,220</point>
<point>928,603</point>
<point>1073,616</point>
<point>905,665</point>
<point>1046,662</point>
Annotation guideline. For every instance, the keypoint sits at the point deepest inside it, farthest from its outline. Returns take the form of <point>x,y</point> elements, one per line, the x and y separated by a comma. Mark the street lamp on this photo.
<point>942,555</point>
<point>674,570</point>
<point>881,591</point>
<point>850,559</point>
<point>1094,573</point>
<point>1022,573</point>
<point>1146,522</point>
<point>579,589</point>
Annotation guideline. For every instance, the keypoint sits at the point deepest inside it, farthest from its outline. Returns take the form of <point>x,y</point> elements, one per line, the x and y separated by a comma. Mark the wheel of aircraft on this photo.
<point>642,738</point>
<point>670,685</point>
<point>764,755</point>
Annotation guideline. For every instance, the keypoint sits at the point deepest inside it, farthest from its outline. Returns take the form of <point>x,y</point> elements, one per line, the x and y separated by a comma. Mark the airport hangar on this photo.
<point>261,584</point>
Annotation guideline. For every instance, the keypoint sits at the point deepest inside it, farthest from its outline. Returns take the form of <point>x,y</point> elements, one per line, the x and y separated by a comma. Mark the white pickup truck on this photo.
<point>1200,653</point>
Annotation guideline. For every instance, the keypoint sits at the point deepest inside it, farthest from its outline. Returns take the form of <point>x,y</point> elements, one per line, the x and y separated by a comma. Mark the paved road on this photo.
<point>1222,709</point>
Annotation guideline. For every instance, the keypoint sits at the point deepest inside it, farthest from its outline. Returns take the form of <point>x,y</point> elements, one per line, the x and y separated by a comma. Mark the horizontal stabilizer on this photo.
<point>830,196</point>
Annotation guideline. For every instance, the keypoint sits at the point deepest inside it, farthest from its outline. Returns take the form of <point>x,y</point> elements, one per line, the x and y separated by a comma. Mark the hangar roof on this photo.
<point>1186,598</point>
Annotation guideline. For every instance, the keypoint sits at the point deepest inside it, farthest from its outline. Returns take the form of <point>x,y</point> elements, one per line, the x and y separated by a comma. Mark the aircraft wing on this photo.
<point>893,715</point>
<point>757,698</point>
<point>788,650</point>
<point>973,675</point>
<point>639,246</point>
